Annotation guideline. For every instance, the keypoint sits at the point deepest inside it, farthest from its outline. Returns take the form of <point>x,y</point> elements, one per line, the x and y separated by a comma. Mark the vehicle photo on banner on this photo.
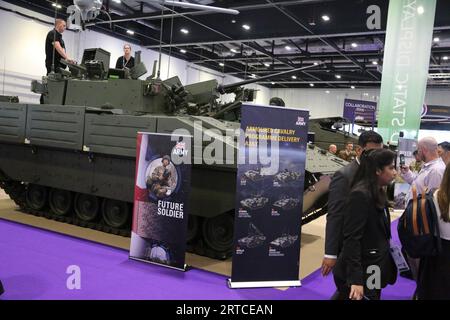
<point>161,201</point>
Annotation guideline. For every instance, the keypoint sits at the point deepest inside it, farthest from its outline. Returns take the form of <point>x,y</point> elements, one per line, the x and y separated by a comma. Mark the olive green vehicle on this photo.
<point>72,158</point>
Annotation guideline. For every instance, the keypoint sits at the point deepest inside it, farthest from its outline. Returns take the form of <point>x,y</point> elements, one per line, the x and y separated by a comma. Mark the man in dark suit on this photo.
<point>339,191</point>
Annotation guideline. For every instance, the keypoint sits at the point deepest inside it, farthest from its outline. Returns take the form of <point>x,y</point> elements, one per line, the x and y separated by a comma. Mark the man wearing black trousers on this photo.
<point>339,191</point>
<point>1,288</point>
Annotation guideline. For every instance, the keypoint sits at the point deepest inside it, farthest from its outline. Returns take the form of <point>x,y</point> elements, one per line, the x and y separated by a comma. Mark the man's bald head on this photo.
<point>60,25</point>
<point>428,149</point>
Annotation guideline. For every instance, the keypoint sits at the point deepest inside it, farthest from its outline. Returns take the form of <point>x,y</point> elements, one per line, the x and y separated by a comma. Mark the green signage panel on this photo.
<point>409,36</point>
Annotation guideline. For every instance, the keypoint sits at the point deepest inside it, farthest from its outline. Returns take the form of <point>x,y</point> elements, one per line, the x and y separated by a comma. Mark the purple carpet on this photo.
<point>33,264</point>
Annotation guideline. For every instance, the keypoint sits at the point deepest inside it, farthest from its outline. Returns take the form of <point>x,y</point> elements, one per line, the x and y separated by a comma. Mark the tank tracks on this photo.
<point>17,191</point>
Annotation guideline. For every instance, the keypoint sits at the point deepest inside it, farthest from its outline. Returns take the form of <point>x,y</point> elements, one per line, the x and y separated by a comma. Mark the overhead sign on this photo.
<point>360,110</point>
<point>435,118</point>
<point>406,61</point>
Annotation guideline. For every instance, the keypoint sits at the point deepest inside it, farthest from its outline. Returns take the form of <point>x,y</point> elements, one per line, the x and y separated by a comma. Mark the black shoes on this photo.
<point>407,274</point>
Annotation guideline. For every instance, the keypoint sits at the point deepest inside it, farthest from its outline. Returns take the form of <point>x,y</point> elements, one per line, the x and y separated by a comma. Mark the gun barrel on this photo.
<point>242,83</point>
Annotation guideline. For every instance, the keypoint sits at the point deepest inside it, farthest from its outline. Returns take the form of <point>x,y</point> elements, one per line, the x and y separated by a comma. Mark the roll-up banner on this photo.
<point>406,61</point>
<point>269,197</point>
<point>160,215</point>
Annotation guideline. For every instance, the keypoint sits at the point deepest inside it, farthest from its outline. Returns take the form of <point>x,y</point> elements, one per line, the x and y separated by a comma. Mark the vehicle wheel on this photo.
<point>60,202</point>
<point>193,227</point>
<point>86,207</point>
<point>16,191</point>
<point>115,213</point>
<point>218,232</point>
<point>36,196</point>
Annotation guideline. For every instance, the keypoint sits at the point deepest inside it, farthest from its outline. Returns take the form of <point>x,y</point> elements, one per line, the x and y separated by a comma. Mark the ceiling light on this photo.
<point>311,84</point>
<point>366,94</point>
<point>267,65</point>
<point>316,63</point>
<point>273,83</point>
<point>338,76</point>
<point>185,31</point>
<point>233,50</point>
<point>327,92</point>
<point>57,5</point>
<point>130,32</point>
<point>354,45</point>
<point>294,77</point>
<point>445,58</point>
<point>246,26</point>
<point>233,21</point>
<point>253,75</point>
<point>325,18</point>
<point>222,64</point>
<point>182,51</point>
<point>420,10</point>
<point>117,1</point>
<point>374,63</point>
<point>352,87</point>
<point>287,48</point>
<point>436,39</point>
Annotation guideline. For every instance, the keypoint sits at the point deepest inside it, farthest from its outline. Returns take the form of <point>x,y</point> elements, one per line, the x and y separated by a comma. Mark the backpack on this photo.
<point>418,227</point>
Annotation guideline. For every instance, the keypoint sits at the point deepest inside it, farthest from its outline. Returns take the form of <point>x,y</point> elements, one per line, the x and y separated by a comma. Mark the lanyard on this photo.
<point>123,61</point>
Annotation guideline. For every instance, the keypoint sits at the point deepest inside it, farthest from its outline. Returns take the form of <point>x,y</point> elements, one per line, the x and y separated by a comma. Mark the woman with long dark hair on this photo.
<point>434,272</point>
<point>365,264</point>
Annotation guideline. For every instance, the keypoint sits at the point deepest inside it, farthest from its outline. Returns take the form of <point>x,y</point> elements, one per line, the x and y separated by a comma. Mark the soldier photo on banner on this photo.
<point>161,179</point>
<point>161,201</point>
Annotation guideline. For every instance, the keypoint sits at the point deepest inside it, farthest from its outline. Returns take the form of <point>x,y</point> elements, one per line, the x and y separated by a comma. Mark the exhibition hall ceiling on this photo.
<point>342,41</point>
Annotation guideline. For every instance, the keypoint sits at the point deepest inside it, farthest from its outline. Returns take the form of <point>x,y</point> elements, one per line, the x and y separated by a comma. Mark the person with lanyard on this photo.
<point>125,61</point>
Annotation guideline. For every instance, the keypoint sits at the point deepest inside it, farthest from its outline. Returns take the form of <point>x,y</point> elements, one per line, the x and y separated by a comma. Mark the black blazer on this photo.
<point>337,197</point>
<point>366,241</point>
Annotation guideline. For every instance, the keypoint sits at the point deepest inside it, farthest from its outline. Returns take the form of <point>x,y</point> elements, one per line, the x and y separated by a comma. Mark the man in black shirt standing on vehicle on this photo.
<point>54,43</point>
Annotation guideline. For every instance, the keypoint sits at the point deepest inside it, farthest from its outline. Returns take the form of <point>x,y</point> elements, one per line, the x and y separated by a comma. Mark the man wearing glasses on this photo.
<point>125,61</point>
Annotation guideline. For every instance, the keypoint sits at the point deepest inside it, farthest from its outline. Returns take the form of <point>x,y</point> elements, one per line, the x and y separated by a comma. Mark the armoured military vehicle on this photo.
<point>254,239</point>
<point>72,158</point>
<point>253,175</point>
<point>284,241</point>
<point>286,203</point>
<point>286,176</point>
<point>331,131</point>
<point>254,203</point>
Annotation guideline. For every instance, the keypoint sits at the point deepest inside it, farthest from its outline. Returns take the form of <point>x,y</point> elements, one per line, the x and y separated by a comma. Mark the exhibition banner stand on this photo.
<point>269,197</point>
<point>406,61</point>
<point>162,187</point>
